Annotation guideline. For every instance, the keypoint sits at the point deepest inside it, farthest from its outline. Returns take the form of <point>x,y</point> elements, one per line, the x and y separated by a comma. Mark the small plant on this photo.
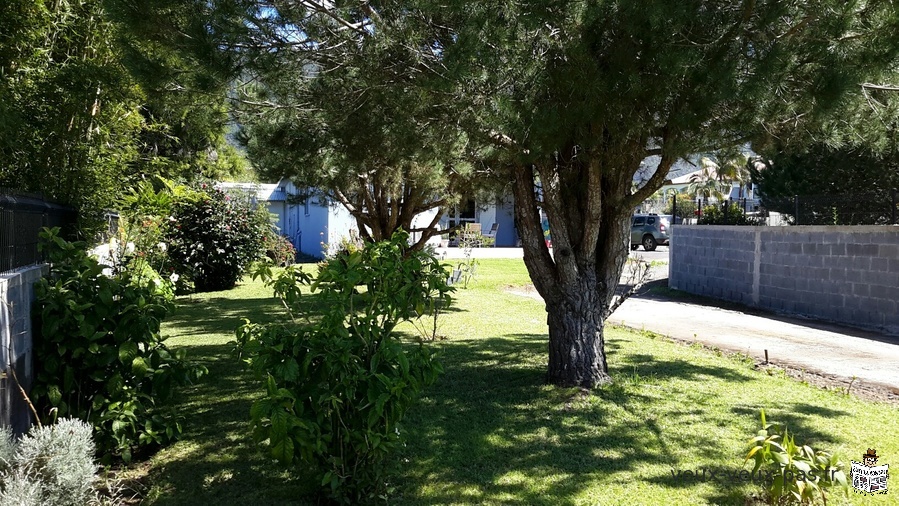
<point>727,215</point>
<point>347,244</point>
<point>99,355</point>
<point>796,474</point>
<point>466,270</point>
<point>339,385</point>
<point>50,466</point>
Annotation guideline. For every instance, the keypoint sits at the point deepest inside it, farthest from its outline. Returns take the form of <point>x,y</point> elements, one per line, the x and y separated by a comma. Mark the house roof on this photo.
<point>681,167</point>
<point>265,192</point>
<point>680,170</point>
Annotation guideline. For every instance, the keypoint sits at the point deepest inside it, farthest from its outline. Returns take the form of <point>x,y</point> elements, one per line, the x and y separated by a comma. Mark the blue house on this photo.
<point>311,223</point>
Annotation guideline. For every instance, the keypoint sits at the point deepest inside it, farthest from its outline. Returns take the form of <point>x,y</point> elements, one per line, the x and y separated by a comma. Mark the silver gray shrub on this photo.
<point>50,466</point>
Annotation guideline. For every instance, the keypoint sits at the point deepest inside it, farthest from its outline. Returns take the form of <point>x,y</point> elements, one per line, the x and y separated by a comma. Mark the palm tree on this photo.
<point>717,178</point>
<point>707,182</point>
<point>735,169</point>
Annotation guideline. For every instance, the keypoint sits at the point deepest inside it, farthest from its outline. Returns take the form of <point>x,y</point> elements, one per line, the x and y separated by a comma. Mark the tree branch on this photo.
<point>882,87</point>
<point>327,12</point>
<point>654,183</point>
<point>428,232</point>
<point>566,264</point>
<point>537,258</point>
<point>593,213</point>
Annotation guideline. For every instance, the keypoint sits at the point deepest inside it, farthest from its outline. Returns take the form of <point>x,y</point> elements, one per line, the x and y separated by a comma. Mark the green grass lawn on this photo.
<point>489,431</point>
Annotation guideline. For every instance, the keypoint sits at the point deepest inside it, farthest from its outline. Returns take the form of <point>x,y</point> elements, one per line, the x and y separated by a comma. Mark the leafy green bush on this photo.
<point>799,474</point>
<point>145,218</point>
<point>338,386</point>
<point>686,206</point>
<point>729,215</point>
<point>199,237</point>
<point>99,355</point>
<point>279,249</point>
<point>214,238</point>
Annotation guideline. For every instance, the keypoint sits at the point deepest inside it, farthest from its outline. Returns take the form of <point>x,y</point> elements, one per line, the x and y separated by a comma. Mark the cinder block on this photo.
<point>862,250</point>
<point>837,249</point>
<point>861,290</point>
<point>884,306</point>
<point>833,237</point>
<point>838,275</point>
<point>887,251</point>
<point>894,265</point>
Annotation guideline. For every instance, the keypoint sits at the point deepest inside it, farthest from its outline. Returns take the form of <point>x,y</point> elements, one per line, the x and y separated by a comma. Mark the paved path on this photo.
<point>795,342</point>
<point>799,343</point>
<point>454,253</point>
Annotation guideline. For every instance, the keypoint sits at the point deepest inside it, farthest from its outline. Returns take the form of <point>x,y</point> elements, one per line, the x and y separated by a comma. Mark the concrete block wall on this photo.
<point>838,273</point>
<point>16,297</point>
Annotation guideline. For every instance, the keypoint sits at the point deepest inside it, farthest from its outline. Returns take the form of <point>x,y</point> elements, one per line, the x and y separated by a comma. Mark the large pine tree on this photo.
<point>562,100</point>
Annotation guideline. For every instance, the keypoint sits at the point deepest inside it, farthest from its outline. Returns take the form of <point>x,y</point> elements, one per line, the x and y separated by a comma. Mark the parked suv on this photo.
<point>649,230</point>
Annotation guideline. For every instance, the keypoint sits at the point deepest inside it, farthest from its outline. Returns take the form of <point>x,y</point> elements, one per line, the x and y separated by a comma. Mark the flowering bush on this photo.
<point>195,238</point>
<point>99,355</point>
<point>279,250</point>
<point>212,239</point>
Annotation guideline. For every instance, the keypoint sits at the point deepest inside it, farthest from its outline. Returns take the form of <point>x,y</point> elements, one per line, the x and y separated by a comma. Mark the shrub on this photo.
<point>50,466</point>
<point>338,386</point>
<point>214,238</point>
<point>279,249</point>
<point>99,356</point>
<point>727,215</point>
<point>199,238</point>
<point>686,206</point>
<point>797,474</point>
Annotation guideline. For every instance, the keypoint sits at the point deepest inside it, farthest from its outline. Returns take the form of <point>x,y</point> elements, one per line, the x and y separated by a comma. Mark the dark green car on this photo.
<point>649,230</point>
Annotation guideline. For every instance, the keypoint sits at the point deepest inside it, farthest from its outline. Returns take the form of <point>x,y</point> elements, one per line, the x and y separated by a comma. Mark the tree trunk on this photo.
<point>590,226</point>
<point>576,353</point>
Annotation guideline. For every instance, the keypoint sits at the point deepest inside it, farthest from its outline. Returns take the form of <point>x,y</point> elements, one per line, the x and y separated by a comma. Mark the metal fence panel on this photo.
<point>22,216</point>
<point>839,209</point>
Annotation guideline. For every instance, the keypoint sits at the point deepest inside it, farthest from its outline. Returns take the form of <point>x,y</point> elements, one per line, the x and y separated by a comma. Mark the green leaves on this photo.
<point>127,352</point>
<point>796,474</point>
<point>338,386</point>
<point>100,356</point>
<point>212,238</point>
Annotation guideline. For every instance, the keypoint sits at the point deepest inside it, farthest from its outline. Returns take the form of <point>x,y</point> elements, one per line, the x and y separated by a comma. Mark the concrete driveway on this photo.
<point>841,354</point>
<point>802,344</point>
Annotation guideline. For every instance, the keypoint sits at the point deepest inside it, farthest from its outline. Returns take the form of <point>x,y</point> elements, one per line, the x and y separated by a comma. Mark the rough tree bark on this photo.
<point>379,213</point>
<point>590,233</point>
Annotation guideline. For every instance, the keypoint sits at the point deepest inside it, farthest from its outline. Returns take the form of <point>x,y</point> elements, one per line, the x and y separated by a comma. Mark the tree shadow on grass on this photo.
<point>490,431</point>
<point>216,461</point>
<point>219,315</point>
<point>796,418</point>
<point>649,366</point>
<point>731,488</point>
